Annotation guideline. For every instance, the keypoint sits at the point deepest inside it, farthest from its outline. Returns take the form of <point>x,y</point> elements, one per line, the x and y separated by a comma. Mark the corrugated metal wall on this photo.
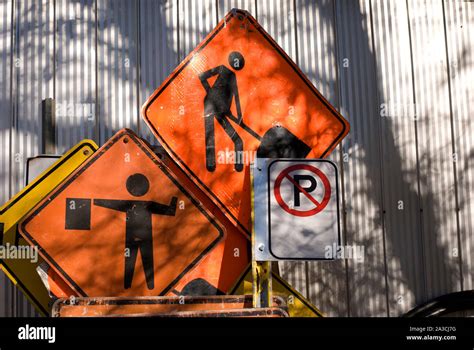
<point>399,71</point>
<point>6,298</point>
<point>75,71</point>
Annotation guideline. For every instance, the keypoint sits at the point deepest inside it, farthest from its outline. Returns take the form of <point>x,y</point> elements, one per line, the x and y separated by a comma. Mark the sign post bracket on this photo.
<point>261,270</point>
<point>48,114</point>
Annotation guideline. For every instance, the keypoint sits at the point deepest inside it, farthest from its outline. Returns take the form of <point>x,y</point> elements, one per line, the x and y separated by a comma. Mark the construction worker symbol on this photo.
<point>277,142</point>
<point>138,224</point>
<point>302,190</point>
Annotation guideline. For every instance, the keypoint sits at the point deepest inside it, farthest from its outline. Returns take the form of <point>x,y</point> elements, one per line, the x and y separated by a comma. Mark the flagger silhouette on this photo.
<point>138,231</point>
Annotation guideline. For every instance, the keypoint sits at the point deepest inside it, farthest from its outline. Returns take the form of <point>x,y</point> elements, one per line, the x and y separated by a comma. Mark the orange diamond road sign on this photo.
<point>218,270</point>
<point>122,224</point>
<point>236,96</point>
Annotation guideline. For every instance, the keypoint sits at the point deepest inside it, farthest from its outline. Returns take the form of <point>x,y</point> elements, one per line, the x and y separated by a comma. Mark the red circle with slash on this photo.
<point>318,205</point>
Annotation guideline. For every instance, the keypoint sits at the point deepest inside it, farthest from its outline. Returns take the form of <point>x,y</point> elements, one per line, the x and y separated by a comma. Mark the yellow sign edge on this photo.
<point>18,196</point>
<point>285,284</point>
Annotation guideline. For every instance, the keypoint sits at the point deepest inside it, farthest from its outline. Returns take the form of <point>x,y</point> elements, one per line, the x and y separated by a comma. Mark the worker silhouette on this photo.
<point>217,103</point>
<point>138,231</point>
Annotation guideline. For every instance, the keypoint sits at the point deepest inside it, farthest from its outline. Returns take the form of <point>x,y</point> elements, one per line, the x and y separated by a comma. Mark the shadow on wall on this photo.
<point>396,271</point>
<point>409,249</point>
<point>74,68</point>
<point>364,284</point>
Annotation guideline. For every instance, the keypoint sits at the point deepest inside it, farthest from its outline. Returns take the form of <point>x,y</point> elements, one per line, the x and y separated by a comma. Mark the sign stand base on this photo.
<point>262,283</point>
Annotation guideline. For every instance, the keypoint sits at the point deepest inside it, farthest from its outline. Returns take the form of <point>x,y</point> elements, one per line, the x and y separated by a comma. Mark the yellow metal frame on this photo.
<point>20,271</point>
<point>298,305</point>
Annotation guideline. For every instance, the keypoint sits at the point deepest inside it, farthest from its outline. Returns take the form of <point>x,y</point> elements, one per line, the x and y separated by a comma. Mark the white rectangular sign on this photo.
<point>36,165</point>
<point>296,209</point>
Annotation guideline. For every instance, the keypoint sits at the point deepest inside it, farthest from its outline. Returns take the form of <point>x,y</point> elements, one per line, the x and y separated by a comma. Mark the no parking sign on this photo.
<point>296,208</point>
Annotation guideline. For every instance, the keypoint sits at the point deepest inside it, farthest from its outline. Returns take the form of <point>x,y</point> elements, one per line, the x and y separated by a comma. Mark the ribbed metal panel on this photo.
<point>316,56</point>
<point>196,20</point>
<point>435,148</point>
<point>224,6</point>
<point>404,253</point>
<point>117,45</point>
<point>5,96</point>
<point>277,18</point>
<point>316,44</point>
<point>158,49</point>
<point>459,19</point>
<point>362,178</point>
<point>75,88</point>
<point>33,79</point>
<point>382,63</point>
<point>6,288</point>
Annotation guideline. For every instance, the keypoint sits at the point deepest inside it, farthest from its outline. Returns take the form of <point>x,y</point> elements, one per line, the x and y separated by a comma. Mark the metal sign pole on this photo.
<point>261,270</point>
<point>48,113</point>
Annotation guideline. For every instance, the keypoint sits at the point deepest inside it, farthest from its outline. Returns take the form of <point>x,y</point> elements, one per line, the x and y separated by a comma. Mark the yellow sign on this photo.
<point>298,305</point>
<point>18,260</point>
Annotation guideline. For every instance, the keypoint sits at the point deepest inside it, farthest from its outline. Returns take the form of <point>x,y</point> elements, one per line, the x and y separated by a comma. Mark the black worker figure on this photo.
<point>217,103</point>
<point>138,231</point>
